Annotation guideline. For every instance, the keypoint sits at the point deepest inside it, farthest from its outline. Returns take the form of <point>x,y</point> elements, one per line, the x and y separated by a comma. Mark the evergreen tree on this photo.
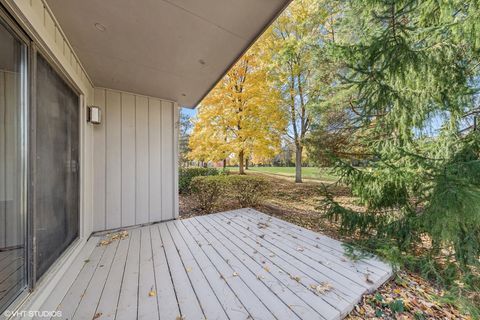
<point>411,70</point>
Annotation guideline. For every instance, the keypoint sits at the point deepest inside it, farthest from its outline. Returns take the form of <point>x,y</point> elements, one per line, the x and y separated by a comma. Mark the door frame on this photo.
<point>25,100</point>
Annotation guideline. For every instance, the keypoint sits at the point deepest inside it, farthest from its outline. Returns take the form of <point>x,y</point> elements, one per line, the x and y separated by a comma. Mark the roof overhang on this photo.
<point>171,49</point>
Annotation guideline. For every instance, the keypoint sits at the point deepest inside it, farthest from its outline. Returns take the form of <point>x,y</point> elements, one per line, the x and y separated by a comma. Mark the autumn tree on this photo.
<point>295,39</point>
<point>185,126</point>
<point>241,116</point>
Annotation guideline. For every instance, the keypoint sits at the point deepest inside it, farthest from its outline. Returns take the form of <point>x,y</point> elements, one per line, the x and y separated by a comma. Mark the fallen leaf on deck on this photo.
<point>321,288</point>
<point>296,278</point>
<point>110,237</point>
<point>152,293</point>
<point>235,274</point>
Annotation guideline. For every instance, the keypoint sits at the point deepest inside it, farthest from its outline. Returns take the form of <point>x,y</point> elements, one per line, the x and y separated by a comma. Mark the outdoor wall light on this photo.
<point>94,115</point>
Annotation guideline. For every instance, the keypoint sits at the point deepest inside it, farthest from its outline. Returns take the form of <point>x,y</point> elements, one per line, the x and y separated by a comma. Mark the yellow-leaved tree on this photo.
<point>241,116</point>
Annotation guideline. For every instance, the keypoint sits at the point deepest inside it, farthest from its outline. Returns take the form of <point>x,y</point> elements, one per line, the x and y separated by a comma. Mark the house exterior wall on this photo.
<point>135,160</point>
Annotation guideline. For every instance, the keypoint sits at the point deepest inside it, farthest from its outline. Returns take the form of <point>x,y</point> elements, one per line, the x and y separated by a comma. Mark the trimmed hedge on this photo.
<point>185,176</point>
<point>207,191</point>
<point>247,190</point>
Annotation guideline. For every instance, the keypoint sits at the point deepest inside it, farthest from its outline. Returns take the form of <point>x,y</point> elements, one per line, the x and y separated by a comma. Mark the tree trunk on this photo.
<point>224,164</point>
<point>241,162</point>
<point>298,163</point>
<point>246,163</point>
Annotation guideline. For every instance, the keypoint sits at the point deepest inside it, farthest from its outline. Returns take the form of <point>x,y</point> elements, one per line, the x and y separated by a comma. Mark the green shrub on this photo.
<point>187,174</point>
<point>207,191</point>
<point>248,190</point>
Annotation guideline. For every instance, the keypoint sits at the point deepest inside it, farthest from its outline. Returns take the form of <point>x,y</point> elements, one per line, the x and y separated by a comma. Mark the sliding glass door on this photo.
<point>56,206</point>
<point>39,154</point>
<point>13,68</point>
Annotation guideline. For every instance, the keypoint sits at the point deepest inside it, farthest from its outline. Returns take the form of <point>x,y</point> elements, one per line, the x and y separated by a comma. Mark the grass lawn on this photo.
<point>323,174</point>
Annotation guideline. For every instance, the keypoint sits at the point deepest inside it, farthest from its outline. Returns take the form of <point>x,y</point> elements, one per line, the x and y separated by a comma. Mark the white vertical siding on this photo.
<point>155,126</point>
<point>113,133</point>
<point>168,160</point>
<point>128,159</point>
<point>135,163</point>
<point>142,196</point>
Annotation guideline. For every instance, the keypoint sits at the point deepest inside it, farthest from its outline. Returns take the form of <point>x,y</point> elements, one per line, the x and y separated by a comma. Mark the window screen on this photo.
<point>56,217</point>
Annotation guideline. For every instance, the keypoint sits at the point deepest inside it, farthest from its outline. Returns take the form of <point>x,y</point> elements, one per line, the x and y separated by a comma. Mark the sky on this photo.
<point>190,112</point>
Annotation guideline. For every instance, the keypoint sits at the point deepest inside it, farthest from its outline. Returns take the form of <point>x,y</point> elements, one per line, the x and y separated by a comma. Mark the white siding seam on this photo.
<point>162,214</point>
<point>135,164</point>
<point>174,161</point>
<point>148,144</point>
<point>105,150</point>
<point>121,158</point>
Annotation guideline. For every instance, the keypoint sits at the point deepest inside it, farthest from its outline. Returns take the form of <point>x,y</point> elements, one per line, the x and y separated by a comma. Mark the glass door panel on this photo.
<point>56,166</point>
<point>12,165</point>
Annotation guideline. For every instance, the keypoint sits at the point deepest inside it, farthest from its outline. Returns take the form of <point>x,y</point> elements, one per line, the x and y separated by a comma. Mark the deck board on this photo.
<point>334,267</point>
<point>128,297</point>
<point>240,264</point>
<point>278,265</point>
<point>280,283</point>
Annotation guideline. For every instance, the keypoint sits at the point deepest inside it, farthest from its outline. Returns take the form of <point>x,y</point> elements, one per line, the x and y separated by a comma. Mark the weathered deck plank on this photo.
<point>147,286</point>
<point>166,297</point>
<point>107,306</point>
<point>128,299</point>
<point>285,286</point>
<point>186,295</point>
<point>231,304</point>
<point>206,296</point>
<point>308,253</point>
<point>250,301</point>
<point>278,265</point>
<point>235,265</point>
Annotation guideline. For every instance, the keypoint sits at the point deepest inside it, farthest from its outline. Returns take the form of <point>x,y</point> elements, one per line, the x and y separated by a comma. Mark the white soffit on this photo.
<point>171,49</point>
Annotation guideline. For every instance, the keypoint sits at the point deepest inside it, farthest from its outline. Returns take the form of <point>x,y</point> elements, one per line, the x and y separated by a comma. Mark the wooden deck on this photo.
<point>234,265</point>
